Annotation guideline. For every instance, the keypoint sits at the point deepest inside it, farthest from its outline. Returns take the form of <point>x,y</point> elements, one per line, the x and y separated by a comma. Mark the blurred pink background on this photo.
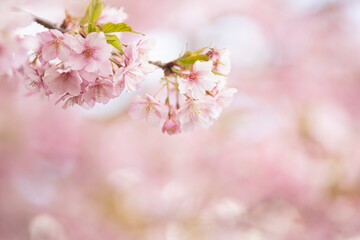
<point>282,162</point>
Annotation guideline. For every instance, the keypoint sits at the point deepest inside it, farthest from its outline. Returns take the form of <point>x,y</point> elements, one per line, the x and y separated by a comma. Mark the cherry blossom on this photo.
<point>34,79</point>
<point>71,101</point>
<point>129,78</point>
<point>139,51</point>
<point>225,96</point>
<point>199,80</point>
<point>84,62</point>
<point>135,66</point>
<point>100,91</point>
<point>53,46</point>
<point>221,60</point>
<point>62,81</point>
<point>90,54</point>
<point>198,112</point>
<point>171,126</point>
<point>150,108</point>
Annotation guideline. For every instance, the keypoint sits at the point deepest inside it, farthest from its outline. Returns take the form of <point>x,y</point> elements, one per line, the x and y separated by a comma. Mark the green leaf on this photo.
<point>119,27</point>
<point>93,28</point>
<point>95,10</point>
<point>190,58</point>
<point>201,50</point>
<point>114,41</point>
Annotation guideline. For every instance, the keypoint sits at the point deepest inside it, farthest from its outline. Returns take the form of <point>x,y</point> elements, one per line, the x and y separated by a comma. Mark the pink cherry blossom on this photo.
<point>150,108</point>
<point>82,68</point>
<point>138,53</point>
<point>53,46</point>
<point>88,76</point>
<point>135,66</point>
<point>101,91</point>
<point>198,80</point>
<point>198,112</point>
<point>71,101</point>
<point>171,127</point>
<point>34,79</point>
<point>140,50</point>
<point>225,96</point>
<point>90,54</point>
<point>63,80</point>
<point>128,78</point>
<point>221,60</point>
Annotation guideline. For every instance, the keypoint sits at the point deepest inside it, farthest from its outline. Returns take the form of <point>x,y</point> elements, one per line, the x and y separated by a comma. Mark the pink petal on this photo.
<point>56,33</point>
<point>63,52</point>
<point>77,61</point>
<point>203,66</point>
<point>96,40</point>
<point>49,52</point>
<point>92,66</point>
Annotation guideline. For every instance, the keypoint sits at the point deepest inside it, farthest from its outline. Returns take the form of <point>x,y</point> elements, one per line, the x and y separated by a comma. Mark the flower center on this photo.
<point>57,42</point>
<point>99,92</point>
<point>148,106</point>
<point>64,76</point>
<point>193,77</point>
<point>88,52</point>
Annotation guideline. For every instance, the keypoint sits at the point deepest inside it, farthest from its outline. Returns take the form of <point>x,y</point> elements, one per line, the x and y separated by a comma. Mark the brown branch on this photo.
<point>167,67</point>
<point>41,21</point>
<point>47,24</point>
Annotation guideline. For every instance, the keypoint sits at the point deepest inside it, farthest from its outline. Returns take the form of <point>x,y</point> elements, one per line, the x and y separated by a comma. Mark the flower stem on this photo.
<point>160,90</point>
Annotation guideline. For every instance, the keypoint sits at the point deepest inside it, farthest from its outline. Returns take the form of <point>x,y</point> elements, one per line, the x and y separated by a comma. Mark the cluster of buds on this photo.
<point>83,62</point>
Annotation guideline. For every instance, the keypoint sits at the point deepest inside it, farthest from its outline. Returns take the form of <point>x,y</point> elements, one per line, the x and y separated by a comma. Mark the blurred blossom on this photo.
<point>45,227</point>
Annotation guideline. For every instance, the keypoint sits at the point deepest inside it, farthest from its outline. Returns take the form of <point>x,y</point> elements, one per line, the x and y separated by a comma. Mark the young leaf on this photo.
<point>114,41</point>
<point>95,10</point>
<point>93,28</point>
<point>188,60</point>
<point>119,27</point>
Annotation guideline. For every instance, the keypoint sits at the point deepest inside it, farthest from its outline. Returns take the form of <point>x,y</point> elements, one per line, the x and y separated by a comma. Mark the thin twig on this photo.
<point>47,24</point>
<point>43,22</point>
<point>167,67</point>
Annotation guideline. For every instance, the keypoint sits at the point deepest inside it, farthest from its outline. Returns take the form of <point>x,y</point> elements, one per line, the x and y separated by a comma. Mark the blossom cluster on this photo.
<point>84,62</point>
<point>196,92</point>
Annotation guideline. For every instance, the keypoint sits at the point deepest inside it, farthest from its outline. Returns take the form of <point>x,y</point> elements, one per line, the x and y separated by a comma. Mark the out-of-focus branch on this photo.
<point>43,22</point>
<point>167,67</point>
<point>47,24</point>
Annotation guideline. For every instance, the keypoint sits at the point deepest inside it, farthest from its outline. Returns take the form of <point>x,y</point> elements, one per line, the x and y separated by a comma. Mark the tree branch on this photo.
<point>167,67</point>
<point>47,24</point>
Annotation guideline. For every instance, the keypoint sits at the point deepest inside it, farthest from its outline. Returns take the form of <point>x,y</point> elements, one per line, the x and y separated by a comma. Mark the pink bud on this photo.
<point>171,127</point>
